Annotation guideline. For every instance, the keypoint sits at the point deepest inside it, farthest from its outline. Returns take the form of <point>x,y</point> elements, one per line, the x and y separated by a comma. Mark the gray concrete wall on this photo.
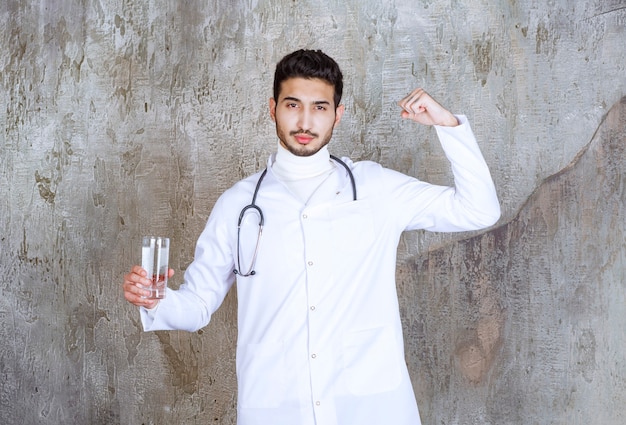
<point>120,118</point>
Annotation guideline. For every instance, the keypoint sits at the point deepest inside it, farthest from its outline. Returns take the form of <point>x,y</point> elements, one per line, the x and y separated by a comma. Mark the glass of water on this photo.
<point>154,260</point>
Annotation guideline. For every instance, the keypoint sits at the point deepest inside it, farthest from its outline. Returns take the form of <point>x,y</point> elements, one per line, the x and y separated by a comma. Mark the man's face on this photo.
<point>305,115</point>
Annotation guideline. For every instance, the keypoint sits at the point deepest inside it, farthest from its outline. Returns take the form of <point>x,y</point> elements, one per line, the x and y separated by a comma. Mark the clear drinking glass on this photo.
<point>154,260</point>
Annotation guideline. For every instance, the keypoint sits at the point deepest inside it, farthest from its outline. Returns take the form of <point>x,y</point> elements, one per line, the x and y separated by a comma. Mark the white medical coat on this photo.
<point>319,332</point>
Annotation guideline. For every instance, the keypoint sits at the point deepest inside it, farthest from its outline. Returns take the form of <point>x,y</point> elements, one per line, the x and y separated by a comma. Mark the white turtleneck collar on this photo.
<point>290,167</point>
<point>302,175</point>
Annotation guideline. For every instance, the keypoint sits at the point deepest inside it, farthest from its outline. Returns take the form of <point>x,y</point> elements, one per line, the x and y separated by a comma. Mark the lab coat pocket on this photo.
<point>260,374</point>
<point>371,361</point>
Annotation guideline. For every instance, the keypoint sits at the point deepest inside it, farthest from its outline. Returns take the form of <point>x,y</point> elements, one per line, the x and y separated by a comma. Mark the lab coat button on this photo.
<point>312,307</point>
<point>313,356</point>
<point>304,216</point>
<point>310,263</point>
<point>317,403</point>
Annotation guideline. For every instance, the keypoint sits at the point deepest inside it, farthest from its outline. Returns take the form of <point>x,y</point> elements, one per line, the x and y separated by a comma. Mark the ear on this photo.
<point>273,109</point>
<point>338,114</point>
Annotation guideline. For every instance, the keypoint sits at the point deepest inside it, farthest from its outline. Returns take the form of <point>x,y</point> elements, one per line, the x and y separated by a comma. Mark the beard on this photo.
<point>298,149</point>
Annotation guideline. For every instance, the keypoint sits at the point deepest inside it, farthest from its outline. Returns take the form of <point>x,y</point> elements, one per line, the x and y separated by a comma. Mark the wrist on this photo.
<point>152,306</point>
<point>451,121</point>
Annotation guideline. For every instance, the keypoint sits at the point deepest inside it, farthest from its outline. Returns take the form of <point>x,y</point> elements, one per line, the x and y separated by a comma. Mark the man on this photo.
<point>319,337</point>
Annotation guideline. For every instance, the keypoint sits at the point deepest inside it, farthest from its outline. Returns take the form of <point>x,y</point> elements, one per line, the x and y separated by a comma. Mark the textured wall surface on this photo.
<point>526,324</point>
<point>120,118</point>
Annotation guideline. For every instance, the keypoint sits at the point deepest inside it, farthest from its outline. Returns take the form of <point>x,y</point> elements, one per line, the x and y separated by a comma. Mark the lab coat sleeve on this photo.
<point>470,204</point>
<point>207,280</point>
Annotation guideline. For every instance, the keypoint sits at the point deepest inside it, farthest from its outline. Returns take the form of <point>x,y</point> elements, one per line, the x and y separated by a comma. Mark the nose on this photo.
<point>304,119</point>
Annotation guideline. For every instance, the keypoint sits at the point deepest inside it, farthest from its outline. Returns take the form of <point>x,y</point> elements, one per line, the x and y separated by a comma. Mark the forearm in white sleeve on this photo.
<point>179,310</point>
<point>475,196</point>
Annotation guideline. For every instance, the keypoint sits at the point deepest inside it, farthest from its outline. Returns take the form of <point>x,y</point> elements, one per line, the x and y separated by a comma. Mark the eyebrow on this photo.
<point>295,99</point>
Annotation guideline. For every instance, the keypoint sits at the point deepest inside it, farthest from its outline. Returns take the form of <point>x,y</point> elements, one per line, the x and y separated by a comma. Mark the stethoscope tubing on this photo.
<point>255,207</point>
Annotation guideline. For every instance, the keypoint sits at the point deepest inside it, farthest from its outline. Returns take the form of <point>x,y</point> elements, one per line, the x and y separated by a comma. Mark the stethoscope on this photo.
<point>254,206</point>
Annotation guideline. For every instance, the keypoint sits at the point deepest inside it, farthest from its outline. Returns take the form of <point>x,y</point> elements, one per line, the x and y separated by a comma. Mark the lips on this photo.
<point>302,139</point>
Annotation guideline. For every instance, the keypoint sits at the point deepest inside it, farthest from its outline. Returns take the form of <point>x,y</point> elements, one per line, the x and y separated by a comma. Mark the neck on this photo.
<point>289,167</point>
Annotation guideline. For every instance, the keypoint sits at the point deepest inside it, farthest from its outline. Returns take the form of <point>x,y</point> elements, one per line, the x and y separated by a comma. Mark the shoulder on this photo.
<point>362,166</point>
<point>374,178</point>
<point>367,167</point>
<point>242,191</point>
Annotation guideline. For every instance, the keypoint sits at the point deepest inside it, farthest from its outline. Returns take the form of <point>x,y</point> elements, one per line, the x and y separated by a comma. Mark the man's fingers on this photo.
<point>135,284</point>
<point>138,270</point>
<point>136,295</point>
<point>135,287</point>
<point>133,292</point>
<point>410,103</point>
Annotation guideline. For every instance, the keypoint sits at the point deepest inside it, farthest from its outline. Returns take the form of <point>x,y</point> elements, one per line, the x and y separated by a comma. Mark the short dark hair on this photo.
<point>309,64</point>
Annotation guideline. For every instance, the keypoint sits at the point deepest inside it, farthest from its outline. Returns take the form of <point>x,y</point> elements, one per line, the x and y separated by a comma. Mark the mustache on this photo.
<point>307,132</point>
